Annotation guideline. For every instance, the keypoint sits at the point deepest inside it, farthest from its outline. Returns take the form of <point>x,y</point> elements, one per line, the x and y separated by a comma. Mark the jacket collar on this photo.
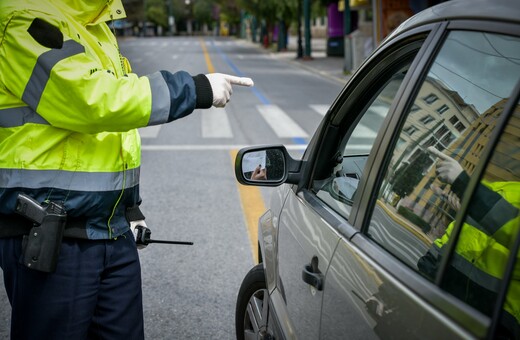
<point>92,12</point>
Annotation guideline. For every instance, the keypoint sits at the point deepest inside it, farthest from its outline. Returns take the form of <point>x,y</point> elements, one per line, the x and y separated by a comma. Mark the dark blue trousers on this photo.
<point>95,292</point>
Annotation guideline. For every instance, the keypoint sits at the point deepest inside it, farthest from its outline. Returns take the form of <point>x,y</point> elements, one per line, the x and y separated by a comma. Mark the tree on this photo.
<point>203,10</point>
<point>157,12</point>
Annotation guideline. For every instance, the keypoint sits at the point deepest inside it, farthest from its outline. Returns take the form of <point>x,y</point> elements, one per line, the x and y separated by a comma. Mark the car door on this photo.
<point>314,219</point>
<point>415,268</point>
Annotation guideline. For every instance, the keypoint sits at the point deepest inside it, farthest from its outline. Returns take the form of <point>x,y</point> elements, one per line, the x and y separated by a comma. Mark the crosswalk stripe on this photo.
<point>380,110</point>
<point>280,122</point>
<point>150,131</point>
<point>321,109</point>
<point>363,131</point>
<point>215,123</point>
<point>209,147</point>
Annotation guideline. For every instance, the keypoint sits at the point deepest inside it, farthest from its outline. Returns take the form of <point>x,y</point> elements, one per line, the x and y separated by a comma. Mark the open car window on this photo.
<point>338,191</point>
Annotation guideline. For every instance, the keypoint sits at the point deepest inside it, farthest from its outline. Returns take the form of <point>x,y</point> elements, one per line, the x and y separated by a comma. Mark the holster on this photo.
<point>41,247</point>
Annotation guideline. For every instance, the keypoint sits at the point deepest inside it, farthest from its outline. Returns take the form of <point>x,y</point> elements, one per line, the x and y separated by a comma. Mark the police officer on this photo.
<point>69,110</point>
<point>483,246</point>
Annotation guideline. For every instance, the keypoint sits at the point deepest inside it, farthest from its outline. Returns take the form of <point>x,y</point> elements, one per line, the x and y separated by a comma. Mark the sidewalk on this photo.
<point>330,67</point>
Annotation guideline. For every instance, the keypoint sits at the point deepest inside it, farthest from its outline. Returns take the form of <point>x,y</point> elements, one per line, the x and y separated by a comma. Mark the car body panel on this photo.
<point>375,304</point>
<point>297,248</point>
<point>268,235</point>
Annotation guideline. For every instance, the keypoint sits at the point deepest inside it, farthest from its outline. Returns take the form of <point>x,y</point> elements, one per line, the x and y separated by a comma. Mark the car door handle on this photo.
<point>312,275</point>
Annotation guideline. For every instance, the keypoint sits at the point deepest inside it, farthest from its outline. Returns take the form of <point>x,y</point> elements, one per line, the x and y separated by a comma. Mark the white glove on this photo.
<point>448,169</point>
<point>221,86</point>
<point>450,197</point>
<point>137,230</point>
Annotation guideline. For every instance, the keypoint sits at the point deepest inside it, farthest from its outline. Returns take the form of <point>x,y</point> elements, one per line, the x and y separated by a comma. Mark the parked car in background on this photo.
<point>402,218</point>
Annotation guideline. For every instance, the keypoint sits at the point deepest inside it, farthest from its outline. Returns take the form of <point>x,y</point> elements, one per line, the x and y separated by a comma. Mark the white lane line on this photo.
<point>209,147</point>
<point>175,56</point>
<point>150,131</point>
<point>363,131</point>
<point>280,122</point>
<point>321,109</point>
<point>379,110</point>
<point>215,123</point>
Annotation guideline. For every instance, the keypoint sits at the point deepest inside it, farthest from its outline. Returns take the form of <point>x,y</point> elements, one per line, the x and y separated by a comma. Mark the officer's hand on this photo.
<point>222,89</point>
<point>448,169</point>
<point>139,229</point>
<point>259,174</point>
<point>449,196</point>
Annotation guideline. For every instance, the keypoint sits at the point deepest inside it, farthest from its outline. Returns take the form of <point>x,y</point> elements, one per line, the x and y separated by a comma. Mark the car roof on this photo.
<point>487,10</point>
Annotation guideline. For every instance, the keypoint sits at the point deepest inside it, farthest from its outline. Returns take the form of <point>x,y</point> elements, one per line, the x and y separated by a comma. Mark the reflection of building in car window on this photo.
<point>422,201</point>
<point>488,232</point>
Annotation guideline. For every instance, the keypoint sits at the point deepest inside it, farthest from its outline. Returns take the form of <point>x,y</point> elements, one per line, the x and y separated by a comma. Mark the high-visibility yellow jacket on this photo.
<point>485,242</point>
<point>70,107</point>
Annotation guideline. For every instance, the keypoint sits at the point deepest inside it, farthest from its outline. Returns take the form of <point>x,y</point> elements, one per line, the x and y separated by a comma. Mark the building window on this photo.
<point>430,99</point>
<point>410,130</point>
<point>460,127</point>
<point>427,119</point>
<point>443,109</point>
<point>454,120</point>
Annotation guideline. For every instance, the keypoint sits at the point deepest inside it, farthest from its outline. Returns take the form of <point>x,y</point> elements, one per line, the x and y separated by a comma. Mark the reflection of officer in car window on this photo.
<point>482,250</point>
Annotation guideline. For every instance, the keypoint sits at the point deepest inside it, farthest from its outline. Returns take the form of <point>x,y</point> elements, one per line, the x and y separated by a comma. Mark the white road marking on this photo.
<point>280,122</point>
<point>150,131</point>
<point>321,109</point>
<point>363,131</point>
<point>208,147</point>
<point>215,123</point>
<point>380,110</point>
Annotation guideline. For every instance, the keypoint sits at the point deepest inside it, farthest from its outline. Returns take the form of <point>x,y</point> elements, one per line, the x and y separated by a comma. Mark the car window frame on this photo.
<point>338,118</point>
<point>430,292</point>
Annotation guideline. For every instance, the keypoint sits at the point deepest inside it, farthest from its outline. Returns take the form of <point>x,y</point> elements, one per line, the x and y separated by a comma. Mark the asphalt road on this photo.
<point>188,186</point>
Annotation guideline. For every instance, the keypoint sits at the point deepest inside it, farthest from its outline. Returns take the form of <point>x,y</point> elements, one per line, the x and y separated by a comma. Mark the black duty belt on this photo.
<point>15,225</point>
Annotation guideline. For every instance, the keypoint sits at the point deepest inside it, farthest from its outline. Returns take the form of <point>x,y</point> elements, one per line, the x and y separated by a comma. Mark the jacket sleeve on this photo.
<point>488,210</point>
<point>67,85</point>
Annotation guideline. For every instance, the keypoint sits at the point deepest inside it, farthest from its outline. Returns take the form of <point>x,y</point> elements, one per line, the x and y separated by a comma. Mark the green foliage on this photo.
<point>272,11</point>
<point>408,176</point>
<point>178,9</point>
<point>203,10</point>
<point>412,217</point>
<point>157,12</point>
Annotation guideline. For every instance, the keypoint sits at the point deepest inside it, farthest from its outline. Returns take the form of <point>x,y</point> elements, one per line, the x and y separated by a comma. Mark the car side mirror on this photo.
<point>265,166</point>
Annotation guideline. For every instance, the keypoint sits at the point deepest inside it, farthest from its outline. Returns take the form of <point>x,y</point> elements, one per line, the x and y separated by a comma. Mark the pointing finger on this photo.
<point>437,153</point>
<point>242,81</point>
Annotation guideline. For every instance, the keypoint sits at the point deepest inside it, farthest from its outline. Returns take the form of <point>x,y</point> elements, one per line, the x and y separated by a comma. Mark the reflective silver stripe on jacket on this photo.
<point>41,73</point>
<point>160,99</point>
<point>477,275</point>
<point>69,180</point>
<point>18,116</point>
<point>501,213</point>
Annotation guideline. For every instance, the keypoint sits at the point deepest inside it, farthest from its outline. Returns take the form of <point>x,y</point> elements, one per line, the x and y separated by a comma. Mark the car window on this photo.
<point>338,190</point>
<point>442,136</point>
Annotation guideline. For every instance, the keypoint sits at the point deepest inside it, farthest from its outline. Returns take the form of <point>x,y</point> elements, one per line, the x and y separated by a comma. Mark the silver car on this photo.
<point>401,220</point>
